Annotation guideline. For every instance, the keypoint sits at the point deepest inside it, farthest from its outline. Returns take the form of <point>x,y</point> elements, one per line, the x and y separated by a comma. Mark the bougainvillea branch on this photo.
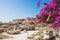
<point>38,4</point>
<point>50,13</point>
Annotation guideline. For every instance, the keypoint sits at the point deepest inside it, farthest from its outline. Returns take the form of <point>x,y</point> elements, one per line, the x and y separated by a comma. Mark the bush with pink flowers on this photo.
<point>50,14</point>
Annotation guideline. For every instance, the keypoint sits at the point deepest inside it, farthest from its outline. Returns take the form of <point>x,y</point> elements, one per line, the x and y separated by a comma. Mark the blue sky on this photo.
<point>16,9</point>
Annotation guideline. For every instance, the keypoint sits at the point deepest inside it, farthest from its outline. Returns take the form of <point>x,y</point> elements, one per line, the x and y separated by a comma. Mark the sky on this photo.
<point>17,9</point>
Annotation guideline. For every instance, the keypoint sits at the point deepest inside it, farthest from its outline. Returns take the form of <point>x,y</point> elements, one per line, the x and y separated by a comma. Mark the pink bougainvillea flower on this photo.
<point>38,4</point>
<point>55,25</point>
<point>38,16</point>
<point>45,3</point>
<point>58,12</point>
